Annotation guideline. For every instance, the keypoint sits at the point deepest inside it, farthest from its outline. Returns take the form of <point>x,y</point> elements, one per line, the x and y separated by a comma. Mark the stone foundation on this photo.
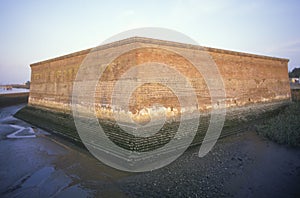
<point>237,120</point>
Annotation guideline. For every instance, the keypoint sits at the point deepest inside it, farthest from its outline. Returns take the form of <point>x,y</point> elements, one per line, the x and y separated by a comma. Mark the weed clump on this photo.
<point>283,128</point>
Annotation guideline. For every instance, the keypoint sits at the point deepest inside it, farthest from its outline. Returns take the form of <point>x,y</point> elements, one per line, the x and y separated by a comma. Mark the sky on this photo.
<point>32,31</point>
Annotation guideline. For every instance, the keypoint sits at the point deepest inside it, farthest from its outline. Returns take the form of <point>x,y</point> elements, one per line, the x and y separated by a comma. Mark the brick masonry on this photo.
<point>253,83</point>
<point>248,78</point>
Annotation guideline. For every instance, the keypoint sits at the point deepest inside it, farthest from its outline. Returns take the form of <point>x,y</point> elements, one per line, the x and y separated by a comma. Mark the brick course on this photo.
<point>248,78</point>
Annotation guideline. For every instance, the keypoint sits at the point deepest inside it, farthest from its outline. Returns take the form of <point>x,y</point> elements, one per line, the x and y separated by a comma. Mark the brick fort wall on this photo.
<point>248,79</point>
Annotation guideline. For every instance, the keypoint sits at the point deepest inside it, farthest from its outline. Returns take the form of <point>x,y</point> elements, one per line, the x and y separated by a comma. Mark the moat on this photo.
<point>242,165</point>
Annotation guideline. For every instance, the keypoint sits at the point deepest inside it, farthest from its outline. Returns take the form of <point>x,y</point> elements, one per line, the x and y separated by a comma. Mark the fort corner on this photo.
<point>255,82</point>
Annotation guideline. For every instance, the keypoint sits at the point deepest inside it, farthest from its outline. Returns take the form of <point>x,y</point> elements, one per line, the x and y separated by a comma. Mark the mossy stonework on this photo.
<point>253,84</point>
<point>295,94</point>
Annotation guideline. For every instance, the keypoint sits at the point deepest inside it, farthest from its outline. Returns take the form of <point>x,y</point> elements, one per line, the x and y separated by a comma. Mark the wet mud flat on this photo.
<point>240,165</point>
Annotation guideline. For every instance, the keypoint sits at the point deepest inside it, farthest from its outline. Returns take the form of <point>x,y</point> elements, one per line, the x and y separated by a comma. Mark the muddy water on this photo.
<point>44,165</point>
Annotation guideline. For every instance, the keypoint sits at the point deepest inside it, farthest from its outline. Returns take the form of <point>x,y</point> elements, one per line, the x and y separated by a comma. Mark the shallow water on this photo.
<point>13,90</point>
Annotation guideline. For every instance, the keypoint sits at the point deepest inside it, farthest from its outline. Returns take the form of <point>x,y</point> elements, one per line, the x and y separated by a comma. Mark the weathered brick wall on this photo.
<point>248,79</point>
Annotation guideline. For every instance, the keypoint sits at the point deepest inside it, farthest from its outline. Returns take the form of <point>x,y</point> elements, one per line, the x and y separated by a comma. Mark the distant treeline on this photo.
<point>23,86</point>
<point>295,73</point>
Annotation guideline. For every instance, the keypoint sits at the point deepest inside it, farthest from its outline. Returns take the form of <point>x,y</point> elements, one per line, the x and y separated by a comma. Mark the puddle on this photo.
<point>38,177</point>
<point>75,191</point>
<point>46,182</point>
<point>29,181</point>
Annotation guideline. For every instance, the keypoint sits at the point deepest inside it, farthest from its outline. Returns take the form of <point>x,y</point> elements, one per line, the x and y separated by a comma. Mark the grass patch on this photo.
<point>283,128</point>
